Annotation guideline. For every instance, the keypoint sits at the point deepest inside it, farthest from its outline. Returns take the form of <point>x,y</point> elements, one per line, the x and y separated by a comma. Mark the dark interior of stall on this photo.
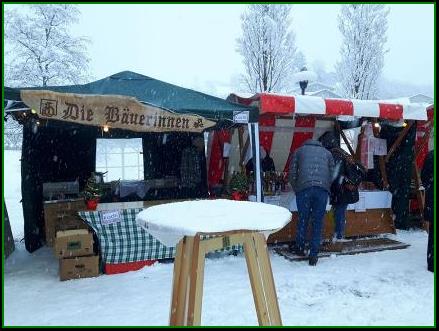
<point>54,151</point>
<point>399,172</point>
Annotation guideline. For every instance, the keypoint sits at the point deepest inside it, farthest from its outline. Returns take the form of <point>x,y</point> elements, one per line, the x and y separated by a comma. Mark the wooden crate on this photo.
<point>62,215</point>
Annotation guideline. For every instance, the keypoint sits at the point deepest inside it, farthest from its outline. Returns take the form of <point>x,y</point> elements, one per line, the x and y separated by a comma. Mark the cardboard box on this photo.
<point>78,267</point>
<point>62,215</point>
<point>73,243</point>
<point>70,222</point>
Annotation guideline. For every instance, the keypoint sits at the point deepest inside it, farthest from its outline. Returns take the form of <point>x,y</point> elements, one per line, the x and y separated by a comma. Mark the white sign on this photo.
<point>110,217</point>
<point>226,150</point>
<point>360,206</point>
<point>379,146</point>
<point>241,116</point>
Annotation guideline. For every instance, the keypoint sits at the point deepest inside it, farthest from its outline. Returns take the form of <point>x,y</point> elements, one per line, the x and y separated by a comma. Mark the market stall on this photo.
<point>363,127</point>
<point>61,125</point>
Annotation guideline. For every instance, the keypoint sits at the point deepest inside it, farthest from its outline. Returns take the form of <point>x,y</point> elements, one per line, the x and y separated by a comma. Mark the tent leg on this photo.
<point>253,129</point>
<point>259,195</point>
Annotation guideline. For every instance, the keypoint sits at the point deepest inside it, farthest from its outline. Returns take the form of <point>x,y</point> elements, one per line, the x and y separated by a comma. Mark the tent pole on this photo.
<point>255,132</point>
<point>252,136</point>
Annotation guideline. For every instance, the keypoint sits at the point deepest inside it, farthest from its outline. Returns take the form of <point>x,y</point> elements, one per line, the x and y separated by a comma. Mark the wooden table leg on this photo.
<point>255,280</point>
<point>267,279</point>
<point>176,281</point>
<point>180,299</point>
<point>187,293</point>
<point>196,284</point>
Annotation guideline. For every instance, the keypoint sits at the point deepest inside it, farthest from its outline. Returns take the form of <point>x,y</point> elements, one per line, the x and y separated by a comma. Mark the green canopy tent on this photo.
<point>155,92</point>
<point>61,148</point>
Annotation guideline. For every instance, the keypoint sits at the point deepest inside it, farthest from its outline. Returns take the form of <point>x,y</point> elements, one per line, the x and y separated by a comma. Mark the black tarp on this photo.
<point>51,153</point>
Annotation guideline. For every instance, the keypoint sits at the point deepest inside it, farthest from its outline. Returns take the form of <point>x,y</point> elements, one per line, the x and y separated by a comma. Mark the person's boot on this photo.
<point>313,260</point>
<point>299,251</point>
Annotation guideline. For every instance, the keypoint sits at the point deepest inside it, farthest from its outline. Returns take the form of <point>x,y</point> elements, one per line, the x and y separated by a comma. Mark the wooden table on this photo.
<point>187,289</point>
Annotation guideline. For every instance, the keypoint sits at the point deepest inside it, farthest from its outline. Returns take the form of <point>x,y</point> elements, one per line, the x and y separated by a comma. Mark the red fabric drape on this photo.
<point>421,129</point>
<point>300,137</point>
<point>266,138</point>
<point>216,163</point>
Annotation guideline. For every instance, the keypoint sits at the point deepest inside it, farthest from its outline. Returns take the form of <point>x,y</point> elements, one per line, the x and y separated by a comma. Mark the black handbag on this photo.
<point>355,173</point>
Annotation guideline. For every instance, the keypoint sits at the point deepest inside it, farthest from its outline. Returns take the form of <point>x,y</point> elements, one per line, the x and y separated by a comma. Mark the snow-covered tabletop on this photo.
<point>170,222</point>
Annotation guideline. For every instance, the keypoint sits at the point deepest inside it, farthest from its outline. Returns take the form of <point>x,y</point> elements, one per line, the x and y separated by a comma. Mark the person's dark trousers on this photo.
<point>340,219</point>
<point>430,248</point>
<point>311,202</point>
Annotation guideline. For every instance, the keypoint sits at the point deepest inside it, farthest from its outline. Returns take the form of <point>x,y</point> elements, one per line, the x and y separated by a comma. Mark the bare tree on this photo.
<point>13,134</point>
<point>363,27</point>
<point>268,48</point>
<point>39,49</point>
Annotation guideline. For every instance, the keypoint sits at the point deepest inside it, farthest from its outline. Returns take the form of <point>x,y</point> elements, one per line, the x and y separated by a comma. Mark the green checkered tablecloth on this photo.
<point>124,241</point>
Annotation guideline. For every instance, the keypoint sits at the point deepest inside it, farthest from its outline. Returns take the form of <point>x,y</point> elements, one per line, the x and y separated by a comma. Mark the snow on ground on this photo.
<point>382,288</point>
<point>12,193</point>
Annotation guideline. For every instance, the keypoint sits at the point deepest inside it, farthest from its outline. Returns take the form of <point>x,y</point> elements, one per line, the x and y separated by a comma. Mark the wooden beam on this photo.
<point>398,140</point>
<point>244,151</point>
<point>383,171</point>
<point>184,282</point>
<point>216,243</point>
<point>267,279</point>
<point>241,145</point>
<point>175,311</point>
<point>382,161</point>
<point>226,173</point>
<point>256,281</point>
<point>196,284</point>
<point>420,194</point>
<point>357,156</point>
<point>343,136</point>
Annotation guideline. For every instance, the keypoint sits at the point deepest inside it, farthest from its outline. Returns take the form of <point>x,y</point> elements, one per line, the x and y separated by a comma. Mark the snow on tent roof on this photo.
<point>313,105</point>
<point>155,92</point>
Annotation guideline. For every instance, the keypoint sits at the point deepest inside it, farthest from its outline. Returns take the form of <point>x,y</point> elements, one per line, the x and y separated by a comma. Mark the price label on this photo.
<point>110,217</point>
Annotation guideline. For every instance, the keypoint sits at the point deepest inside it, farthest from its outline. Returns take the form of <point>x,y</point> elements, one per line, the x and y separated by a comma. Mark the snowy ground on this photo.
<point>12,193</point>
<point>384,288</point>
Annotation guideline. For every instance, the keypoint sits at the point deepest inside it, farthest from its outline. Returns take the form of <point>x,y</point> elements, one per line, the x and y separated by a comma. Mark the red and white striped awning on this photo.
<point>310,105</point>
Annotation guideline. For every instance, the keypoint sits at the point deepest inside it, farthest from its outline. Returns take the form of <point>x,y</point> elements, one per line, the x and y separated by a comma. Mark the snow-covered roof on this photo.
<point>315,87</point>
<point>394,110</point>
<point>421,98</point>
<point>325,93</point>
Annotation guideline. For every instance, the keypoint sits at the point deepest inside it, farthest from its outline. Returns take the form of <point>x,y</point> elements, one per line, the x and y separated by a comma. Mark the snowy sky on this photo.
<point>195,45</point>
